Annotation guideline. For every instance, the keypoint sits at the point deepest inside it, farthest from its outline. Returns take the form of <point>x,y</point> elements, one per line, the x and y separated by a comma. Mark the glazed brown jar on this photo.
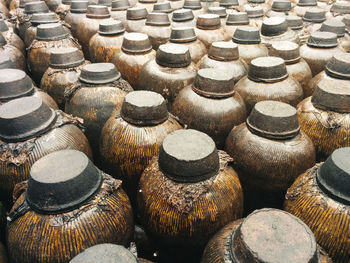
<point>76,13</point>
<point>269,152</point>
<point>99,91</point>
<point>286,238</point>
<point>135,19</point>
<point>11,37</point>
<point>255,14</point>
<point>210,105</point>
<point>296,66</point>
<point>147,4</point>
<point>63,72</point>
<point>168,73</point>
<point>118,11</point>
<point>304,5</point>
<point>71,200</point>
<point>107,41</point>
<point>13,53</point>
<point>131,138</point>
<point>296,24</point>
<point>234,20</point>
<point>29,130</point>
<point>249,43</point>
<point>186,36</point>
<point>183,18</point>
<point>195,6</point>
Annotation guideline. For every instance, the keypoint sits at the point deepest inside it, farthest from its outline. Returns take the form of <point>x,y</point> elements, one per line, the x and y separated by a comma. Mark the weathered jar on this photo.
<point>313,19</point>
<point>210,105</point>
<point>220,11</point>
<point>76,13</point>
<point>296,24</point>
<point>11,37</point>
<point>163,7</point>
<point>338,27</point>
<point>147,4</point>
<point>119,9</point>
<point>340,9</point>
<point>15,55</point>
<point>183,18</point>
<point>304,5</point>
<point>195,6</point>
<point>280,8</point>
<point>70,200</point>
<point>135,19</point>
<point>63,8</point>
<point>234,20</point>
<point>257,3</point>
<point>5,62</point>
<point>269,152</point>
<point>255,14</point>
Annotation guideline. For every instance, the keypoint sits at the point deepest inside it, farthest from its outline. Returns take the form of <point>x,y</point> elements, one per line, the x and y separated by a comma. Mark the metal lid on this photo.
<point>274,26</point>
<point>97,11</point>
<point>315,15</point>
<point>36,7</point>
<point>182,15</point>
<point>334,26</point>
<point>3,26</point>
<point>208,21</point>
<point>281,5</point>
<point>182,35</point>
<point>238,18</point>
<point>24,118</point>
<point>163,7</point>
<point>307,3</point>
<point>6,62</point>
<point>136,13</point>
<point>267,69</point>
<point>66,58</point>
<point>105,2</point>
<point>333,176</point>
<point>99,73</point>
<point>341,7</point>
<point>287,50</point>
<point>294,22</point>
<point>254,11</point>
<point>44,18</point>
<point>49,32</point>
<point>119,5</point>
<point>339,66</point>
<point>192,4</point>
<point>14,83</point>
<point>228,3</point>
<point>136,43</point>
<point>79,6</point>
<point>188,156</point>
<point>111,27</point>
<point>322,40</point>
<point>223,51</point>
<point>144,108</point>
<point>173,56</point>
<point>157,19</point>
<point>3,41</point>
<point>62,181</point>
<point>271,235</point>
<point>218,10</point>
<point>246,35</point>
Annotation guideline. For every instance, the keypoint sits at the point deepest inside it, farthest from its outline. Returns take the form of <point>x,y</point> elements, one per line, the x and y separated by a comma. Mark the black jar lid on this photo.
<point>36,7</point>
<point>97,11</point>
<point>6,62</point>
<point>339,66</point>
<point>14,83</point>
<point>120,5</point>
<point>110,253</point>
<point>188,156</point>
<point>144,108</point>
<point>238,18</point>
<point>69,57</point>
<point>192,4</point>
<point>44,18</point>
<point>246,35</point>
<point>315,15</point>
<point>341,7</point>
<point>136,13</point>
<point>105,3</point>
<point>163,7</point>
<point>334,26</point>
<point>3,26</point>
<point>281,5</point>
<point>79,6</point>
<point>208,21</point>
<point>322,40</point>
<point>61,181</point>
<point>223,51</point>
<point>307,3</point>
<point>272,235</point>
<point>333,175</point>
<point>182,15</point>
<point>52,31</point>
<point>294,22</point>
<point>287,50</point>
<point>99,73</point>
<point>157,19</point>
<point>218,10</point>
<point>111,27</point>
<point>254,11</point>
<point>274,26</point>
<point>228,3</point>
<point>182,35</point>
<point>24,118</point>
<point>273,120</point>
<point>267,69</point>
<point>136,43</point>
<point>173,56</point>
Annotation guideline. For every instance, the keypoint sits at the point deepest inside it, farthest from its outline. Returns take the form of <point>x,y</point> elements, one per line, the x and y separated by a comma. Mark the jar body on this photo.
<point>103,48</point>
<point>301,72</point>
<point>197,50</point>
<point>290,35</point>
<point>176,4</point>
<point>208,37</point>
<point>312,27</point>
<point>15,55</point>
<point>148,6</point>
<point>73,20</point>
<point>158,35</point>
<point>248,52</point>
<point>189,23</point>
<point>14,40</point>
<point>119,15</point>
<point>135,25</point>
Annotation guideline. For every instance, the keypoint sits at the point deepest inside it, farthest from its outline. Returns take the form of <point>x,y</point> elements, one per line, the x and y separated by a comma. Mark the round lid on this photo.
<point>267,69</point>
<point>228,3</point>
<point>163,7</point>
<point>331,96</point>
<point>294,22</point>
<point>341,7</point>
<point>274,26</point>
<point>246,35</point>
<point>173,56</point>
<point>188,156</point>
<point>192,4</point>
<point>97,11</point>
<point>218,10</point>
<point>69,57</point>
<point>106,253</point>
<point>271,235</point>
<point>339,66</point>
<point>322,40</point>
<point>182,15</point>
<point>287,50</point>
<point>136,43</point>
<point>157,19</point>
<point>208,21</point>
<point>120,5</point>
<point>22,3</point>
<point>144,108</point>
<point>307,3</point>
<point>3,26</point>
<point>254,11</point>
<point>314,15</point>
<point>61,181</point>
<point>105,2</point>
<point>238,18</point>
<point>136,13</point>
<point>333,176</point>
<point>281,5</point>
<point>3,41</point>
<point>99,73</point>
<point>223,51</point>
<point>79,6</point>
<point>36,7</point>
<point>334,26</point>
<point>6,62</point>
<point>111,27</point>
<point>14,83</point>
<point>24,118</point>
<point>44,18</point>
<point>182,35</point>
<point>52,31</point>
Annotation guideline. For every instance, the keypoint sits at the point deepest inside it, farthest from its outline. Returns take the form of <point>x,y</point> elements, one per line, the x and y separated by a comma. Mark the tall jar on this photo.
<point>313,19</point>
<point>147,4</point>
<point>135,19</point>
<point>234,20</point>
<point>15,55</point>
<point>71,200</point>
<point>255,14</point>
<point>269,152</point>
<point>11,37</point>
<point>183,18</point>
<point>118,11</point>
<point>210,105</point>
<point>76,13</point>
<point>195,6</point>
<point>296,24</point>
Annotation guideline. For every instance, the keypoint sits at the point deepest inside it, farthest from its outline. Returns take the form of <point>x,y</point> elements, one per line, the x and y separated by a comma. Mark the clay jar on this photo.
<point>269,152</point>
<point>195,6</point>
<point>169,72</point>
<point>48,36</point>
<point>15,55</point>
<point>135,52</point>
<point>100,90</point>
<point>63,72</point>
<point>286,236</point>
<point>304,5</point>
<point>338,27</point>
<point>29,130</point>
<point>63,8</point>
<point>225,56</point>
<point>147,4</point>
<point>210,105</point>
<point>118,11</point>
<point>280,8</point>
<point>163,7</point>
<point>5,62</point>
<point>186,36</point>
<point>249,43</point>
<point>130,139</point>
<point>340,9</point>
<point>234,20</point>
<point>107,41</point>
<point>320,48</point>
<point>220,11</point>
<point>11,37</point>
<point>313,19</point>
<point>183,18</point>
<point>296,24</point>
<point>296,66</point>
<point>257,3</point>
<point>320,198</point>
<point>255,14</point>
<point>135,19</point>
<point>71,199</point>
<point>76,13</point>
